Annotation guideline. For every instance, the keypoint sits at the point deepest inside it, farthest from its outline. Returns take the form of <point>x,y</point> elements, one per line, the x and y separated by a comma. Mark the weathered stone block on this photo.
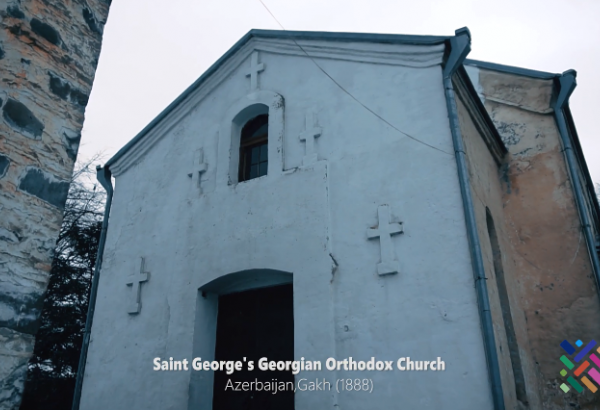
<point>66,91</point>
<point>6,235</point>
<point>90,19</point>
<point>20,306</point>
<point>71,141</point>
<point>45,186</point>
<point>21,118</point>
<point>4,162</point>
<point>46,31</point>
<point>15,350</point>
<point>14,11</point>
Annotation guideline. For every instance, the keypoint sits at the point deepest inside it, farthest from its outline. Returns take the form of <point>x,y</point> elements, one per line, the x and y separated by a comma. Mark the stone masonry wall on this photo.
<point>48,56</point>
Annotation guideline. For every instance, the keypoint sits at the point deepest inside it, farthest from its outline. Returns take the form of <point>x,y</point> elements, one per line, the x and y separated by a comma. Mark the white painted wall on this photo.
<point>291,220</point>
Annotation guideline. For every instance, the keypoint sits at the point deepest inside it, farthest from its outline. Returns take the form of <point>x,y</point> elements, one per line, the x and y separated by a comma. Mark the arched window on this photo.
<point>254,141</point>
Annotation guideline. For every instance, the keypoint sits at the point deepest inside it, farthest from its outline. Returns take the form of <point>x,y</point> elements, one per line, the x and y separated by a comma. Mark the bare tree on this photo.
<point>52,369</point>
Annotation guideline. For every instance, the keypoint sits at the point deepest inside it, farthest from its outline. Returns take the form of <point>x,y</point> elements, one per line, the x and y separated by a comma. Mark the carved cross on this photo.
<point>135,281</point>
<point>384,232</point>
<point>199,168</point>
<point>308,136</point>
<point>255,69</point>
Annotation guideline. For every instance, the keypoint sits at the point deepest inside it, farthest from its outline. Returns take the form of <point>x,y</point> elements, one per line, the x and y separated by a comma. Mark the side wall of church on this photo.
<point>311,220</point>
<point>48,56</point>
<point>486,189</point>
<point>552,284</point>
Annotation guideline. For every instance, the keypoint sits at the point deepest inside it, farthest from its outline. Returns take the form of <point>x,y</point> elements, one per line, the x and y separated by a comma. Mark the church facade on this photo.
<point>327,196</point>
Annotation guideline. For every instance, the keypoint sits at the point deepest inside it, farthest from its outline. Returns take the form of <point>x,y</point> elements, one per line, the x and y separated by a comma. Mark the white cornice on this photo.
<point>399,55</point>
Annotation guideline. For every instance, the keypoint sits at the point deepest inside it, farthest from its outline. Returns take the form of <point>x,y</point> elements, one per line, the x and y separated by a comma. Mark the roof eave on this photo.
<point>582,163</point>
<point>295,35</point>
<point>212,69</point>
<point>542,75</point>
<point>481,107</point>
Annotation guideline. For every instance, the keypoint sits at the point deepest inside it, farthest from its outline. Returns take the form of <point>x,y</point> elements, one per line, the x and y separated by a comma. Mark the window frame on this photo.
<point>246,146</point>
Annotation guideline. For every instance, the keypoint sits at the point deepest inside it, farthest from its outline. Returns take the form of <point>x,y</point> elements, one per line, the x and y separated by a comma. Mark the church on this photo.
<point>357,221</point>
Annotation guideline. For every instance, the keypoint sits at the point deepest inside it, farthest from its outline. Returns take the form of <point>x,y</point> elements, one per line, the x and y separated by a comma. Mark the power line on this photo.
<point>349,93</point>
<point>272,15</point>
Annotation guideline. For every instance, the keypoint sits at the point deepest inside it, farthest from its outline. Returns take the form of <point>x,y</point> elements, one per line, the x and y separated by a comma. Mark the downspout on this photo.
<point>460,46</point>
<point>567,86</point>
<point>104,177</point>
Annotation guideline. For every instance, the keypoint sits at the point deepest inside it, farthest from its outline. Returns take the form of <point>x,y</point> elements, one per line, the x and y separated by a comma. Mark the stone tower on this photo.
<point>48,57</point>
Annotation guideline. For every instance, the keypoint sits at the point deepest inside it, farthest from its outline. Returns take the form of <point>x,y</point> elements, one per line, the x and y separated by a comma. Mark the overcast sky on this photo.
<point>153,50</point>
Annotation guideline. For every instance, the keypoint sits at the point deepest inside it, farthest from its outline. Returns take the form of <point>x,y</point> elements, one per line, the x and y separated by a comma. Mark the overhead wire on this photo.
<point>350,94</point>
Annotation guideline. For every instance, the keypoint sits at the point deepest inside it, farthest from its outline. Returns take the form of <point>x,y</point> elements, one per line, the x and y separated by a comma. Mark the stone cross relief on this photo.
<point>384,232</point>
<point>255,69</point>
<point>135,281</point>
<point>309,135</point>
<point>199,167</point>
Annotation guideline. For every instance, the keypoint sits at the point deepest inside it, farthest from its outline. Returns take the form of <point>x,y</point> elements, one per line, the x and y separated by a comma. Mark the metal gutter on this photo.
<point>583,165</point>
<point>278,34</point>
<point>567,84</point>
<point>541,75</point>
<point>460,45</point>
<point>104,177</point>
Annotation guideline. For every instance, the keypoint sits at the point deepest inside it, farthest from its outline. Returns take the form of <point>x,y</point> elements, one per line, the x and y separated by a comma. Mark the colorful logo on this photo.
<point>581,368</point>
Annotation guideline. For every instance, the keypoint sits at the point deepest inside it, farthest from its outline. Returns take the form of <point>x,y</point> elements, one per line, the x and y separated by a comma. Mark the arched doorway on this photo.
<point>246,315</point>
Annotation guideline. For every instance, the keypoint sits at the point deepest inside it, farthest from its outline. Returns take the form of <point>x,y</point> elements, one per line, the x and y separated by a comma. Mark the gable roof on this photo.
<point>281,35</point>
